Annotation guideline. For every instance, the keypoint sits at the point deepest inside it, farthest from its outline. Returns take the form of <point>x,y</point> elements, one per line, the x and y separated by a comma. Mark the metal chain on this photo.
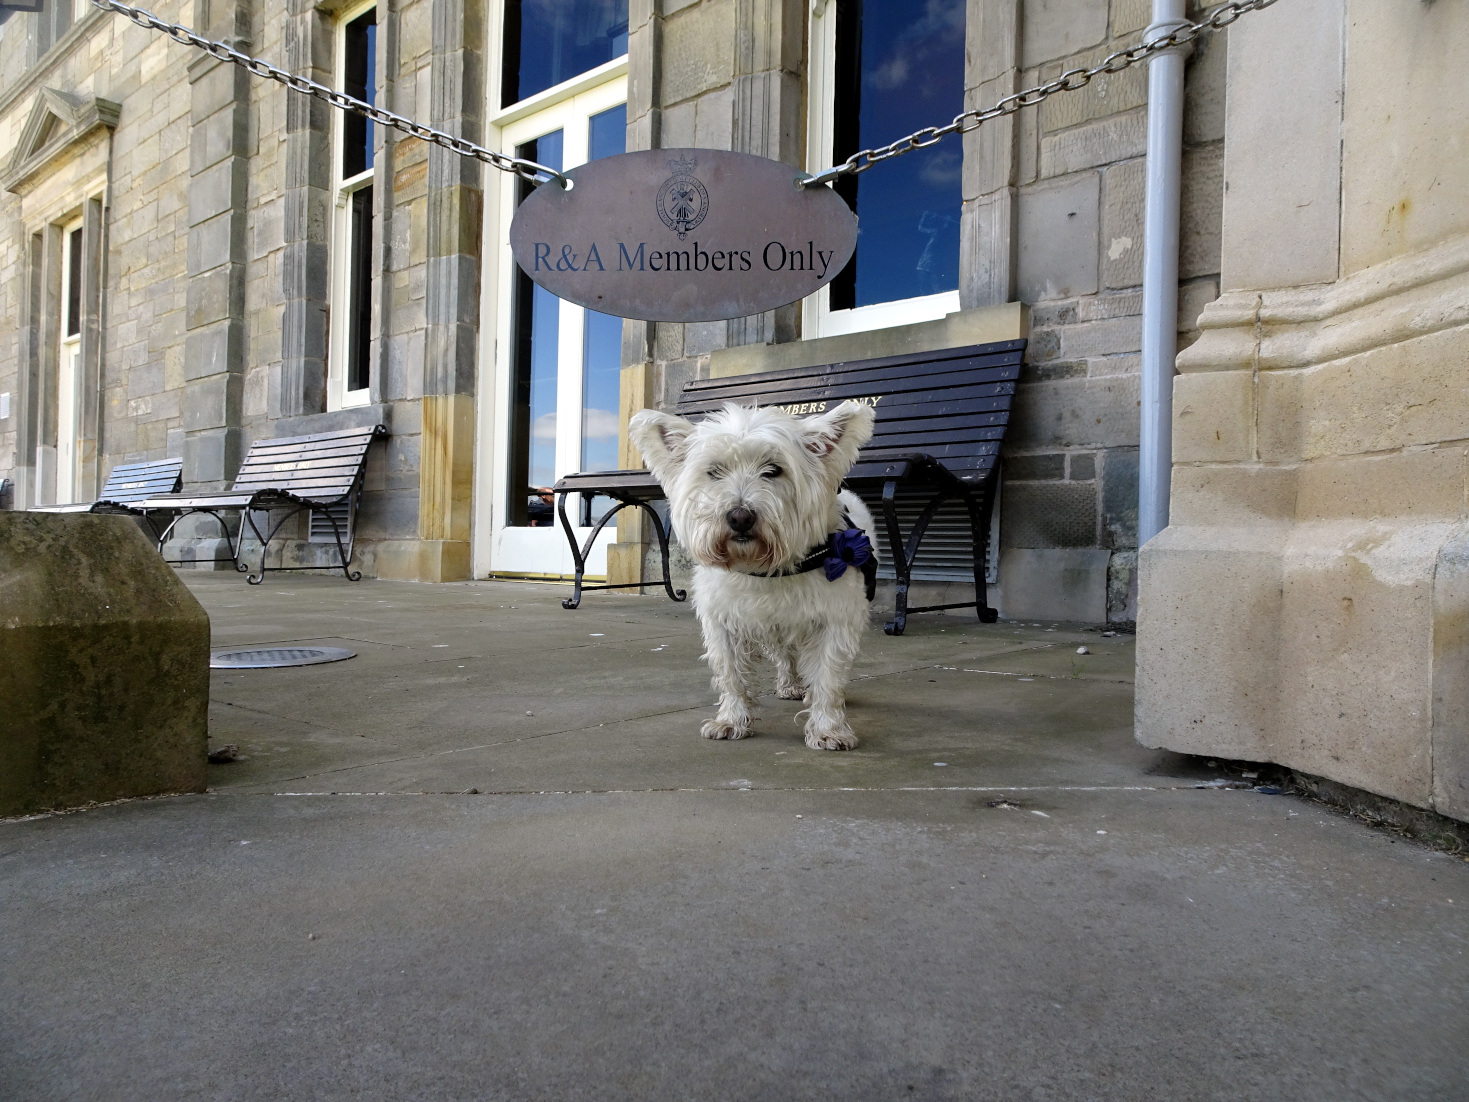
<point>529,170</point>
<point>1070,81</point>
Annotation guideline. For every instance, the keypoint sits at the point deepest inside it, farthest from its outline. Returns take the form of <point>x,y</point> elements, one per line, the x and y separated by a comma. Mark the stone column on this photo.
<point>1307,603</point>
<point>300,386</point>
<point>29,391</point>
<point>455,211</point>
<point>89,384</point>
<point>639,338</point>
<point>214,349</point>
<point>987,237</point>
<point>768,101</point>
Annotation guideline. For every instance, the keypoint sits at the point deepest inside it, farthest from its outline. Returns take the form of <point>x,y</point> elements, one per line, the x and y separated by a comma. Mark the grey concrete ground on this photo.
<point>623,910</point>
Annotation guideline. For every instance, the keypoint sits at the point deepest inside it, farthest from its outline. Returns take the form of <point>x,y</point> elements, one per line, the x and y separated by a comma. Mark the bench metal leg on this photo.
<point>581,552</point>
<point>234,545</point>
<point>905,554</point>
<point>256,579</point>
<point>899,621</point>
<point>980,514</point>
<point>980,508</point>
<point>343,553</point>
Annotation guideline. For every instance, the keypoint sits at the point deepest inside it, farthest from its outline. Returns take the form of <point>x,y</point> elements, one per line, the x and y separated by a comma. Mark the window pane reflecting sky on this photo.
<point>548,41</point>
<point>912,75</point>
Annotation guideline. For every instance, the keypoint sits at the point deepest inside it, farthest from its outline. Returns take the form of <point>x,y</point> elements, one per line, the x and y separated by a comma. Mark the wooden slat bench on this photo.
<point>294,473</point>
<point>127,485</point>
<point>941,417</point>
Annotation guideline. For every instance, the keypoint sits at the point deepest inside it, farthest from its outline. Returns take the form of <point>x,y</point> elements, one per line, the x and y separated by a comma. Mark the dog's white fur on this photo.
<point>787,472</point>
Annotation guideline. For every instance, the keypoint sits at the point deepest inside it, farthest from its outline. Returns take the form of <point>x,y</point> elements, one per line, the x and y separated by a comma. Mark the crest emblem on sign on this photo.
<point>682,200</point>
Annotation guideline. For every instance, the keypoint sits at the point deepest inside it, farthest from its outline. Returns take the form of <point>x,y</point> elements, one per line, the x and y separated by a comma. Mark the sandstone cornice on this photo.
<point>1406,297</point>
<point>44,141</point>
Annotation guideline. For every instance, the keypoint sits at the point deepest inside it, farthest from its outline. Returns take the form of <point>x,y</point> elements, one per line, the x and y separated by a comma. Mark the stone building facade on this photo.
<point>227,294</point>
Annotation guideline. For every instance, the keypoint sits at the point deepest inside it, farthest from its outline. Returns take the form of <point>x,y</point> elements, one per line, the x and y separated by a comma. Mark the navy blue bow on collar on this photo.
<point>849,546</point>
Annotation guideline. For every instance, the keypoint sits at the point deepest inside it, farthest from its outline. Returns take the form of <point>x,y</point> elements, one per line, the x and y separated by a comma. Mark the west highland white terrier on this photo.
<point>786,560</point>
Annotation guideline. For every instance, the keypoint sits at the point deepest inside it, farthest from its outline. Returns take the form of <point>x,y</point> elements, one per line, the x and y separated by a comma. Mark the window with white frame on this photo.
<point>69,362</point>
<point>881,69</point>
<point>349,363</point>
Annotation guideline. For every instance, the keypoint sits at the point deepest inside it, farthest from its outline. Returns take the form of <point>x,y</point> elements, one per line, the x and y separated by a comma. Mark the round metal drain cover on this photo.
<point>265,658</point>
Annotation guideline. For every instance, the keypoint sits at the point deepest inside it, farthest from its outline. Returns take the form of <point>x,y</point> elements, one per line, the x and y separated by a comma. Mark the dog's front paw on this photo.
<point>717,728</point>
<point>831,738</point>
<point>790,692</point>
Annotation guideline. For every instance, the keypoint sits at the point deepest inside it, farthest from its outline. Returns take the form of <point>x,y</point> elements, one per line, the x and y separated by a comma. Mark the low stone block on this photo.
<point>105,677</point>
<point>1053,584</point>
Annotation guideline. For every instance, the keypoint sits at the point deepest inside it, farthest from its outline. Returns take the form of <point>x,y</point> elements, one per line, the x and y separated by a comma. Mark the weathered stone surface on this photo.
<point>1110,139</point>
<point>1282,163</point>
<point>1076,412</point>
<point>1403,130</point>
<point>1058,238</point>
<point>1055,28</point>
<point>1119,498</point>
<point>1122,224</point>
<point>1034,468</point>
<point>1048,514</point>
<point>105,677</point>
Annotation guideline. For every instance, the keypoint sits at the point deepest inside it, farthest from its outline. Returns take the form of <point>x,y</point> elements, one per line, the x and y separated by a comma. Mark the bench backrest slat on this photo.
<point>128,482</point>
<point>323,466</point>
<point>952,406</point>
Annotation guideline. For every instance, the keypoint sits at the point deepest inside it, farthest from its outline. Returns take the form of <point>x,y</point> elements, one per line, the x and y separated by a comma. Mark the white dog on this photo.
<point>754,496</point>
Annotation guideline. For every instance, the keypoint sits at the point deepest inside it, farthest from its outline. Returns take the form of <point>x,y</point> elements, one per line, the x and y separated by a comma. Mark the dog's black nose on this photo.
<point>741,521</point>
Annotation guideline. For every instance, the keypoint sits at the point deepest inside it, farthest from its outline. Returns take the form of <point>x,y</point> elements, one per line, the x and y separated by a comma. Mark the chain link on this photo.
<point>1070,81</point>
<point>528,170</point>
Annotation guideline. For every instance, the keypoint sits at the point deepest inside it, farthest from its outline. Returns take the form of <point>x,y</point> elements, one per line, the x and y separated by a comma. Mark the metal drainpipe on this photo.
<point>1160,271</point>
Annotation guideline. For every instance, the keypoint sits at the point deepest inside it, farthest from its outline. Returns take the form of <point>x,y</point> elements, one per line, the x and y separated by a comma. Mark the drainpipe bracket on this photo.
<point>1162,29</point>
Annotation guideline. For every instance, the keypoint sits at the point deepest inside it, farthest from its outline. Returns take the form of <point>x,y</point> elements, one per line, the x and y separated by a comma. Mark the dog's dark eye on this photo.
<point>716,472</point>
<point>771,471</point>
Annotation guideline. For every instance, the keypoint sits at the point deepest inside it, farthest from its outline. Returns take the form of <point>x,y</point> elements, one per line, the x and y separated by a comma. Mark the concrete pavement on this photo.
<point>491,858</point>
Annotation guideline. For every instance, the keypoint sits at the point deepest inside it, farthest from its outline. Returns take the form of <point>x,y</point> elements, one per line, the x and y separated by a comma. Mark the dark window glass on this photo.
<point>899,67</point>
<point>602,342</point>
<point>74,283</point>
<point>359,288</point>
<point>52,22</point>
<point>548,41</point>
<point>359,80</point>
<point>533,427</point>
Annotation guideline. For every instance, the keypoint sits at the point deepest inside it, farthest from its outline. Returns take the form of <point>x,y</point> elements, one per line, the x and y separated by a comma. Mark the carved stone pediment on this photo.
<point>57,122</point>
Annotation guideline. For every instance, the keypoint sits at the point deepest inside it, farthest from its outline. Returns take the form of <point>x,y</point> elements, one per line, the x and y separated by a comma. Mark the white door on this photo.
<point>69,363</point>
<point>557,365</point>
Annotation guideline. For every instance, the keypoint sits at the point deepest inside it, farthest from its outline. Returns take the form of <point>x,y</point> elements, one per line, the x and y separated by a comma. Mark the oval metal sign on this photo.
<point>683,235</point>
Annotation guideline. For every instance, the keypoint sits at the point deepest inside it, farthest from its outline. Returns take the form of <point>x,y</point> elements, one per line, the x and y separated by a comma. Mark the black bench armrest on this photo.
<point>612,483</point>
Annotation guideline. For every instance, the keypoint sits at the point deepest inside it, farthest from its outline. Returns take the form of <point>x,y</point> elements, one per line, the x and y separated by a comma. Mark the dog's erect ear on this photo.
<point>663,440</point>
<point>836,437</point>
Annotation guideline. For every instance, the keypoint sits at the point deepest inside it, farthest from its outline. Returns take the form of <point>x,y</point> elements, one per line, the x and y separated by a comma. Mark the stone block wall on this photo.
<point>1071,457</point>
<point>199,353</point>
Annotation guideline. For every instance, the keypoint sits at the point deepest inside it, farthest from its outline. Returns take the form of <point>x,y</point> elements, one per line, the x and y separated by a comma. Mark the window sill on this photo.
<point>886,315</point>
<point>563,91</point>
<point>985,325</point>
